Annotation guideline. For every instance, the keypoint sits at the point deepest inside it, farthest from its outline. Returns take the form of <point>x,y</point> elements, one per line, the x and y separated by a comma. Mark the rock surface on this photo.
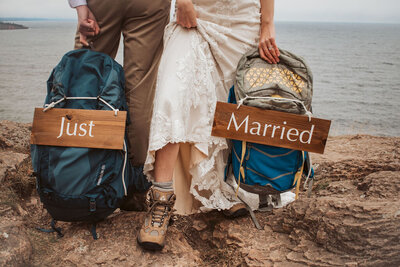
<point>9,161</point>
<point>14,136</point>
<point>15,247</point>
<point>351,219</point>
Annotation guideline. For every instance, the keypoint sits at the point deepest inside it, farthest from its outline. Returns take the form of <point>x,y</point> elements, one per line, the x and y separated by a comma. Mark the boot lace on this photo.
<point>160,210</point>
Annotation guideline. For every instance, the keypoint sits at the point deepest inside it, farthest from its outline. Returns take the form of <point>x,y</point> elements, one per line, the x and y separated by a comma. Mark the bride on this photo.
<point>202,47</point>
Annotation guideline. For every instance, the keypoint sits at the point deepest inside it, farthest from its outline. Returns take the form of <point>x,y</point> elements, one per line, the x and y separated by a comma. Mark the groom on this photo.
<point>142,23</point>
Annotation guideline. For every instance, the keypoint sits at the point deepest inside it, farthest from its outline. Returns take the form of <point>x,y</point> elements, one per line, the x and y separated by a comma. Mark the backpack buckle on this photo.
<point>92,205</point>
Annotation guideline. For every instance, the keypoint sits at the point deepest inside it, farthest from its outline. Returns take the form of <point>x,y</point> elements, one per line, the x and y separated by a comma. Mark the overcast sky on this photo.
<point>286,10</point>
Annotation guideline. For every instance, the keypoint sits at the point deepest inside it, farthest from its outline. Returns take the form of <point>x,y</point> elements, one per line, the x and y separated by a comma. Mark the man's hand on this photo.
<point>185,14</point>
<point>87,24</point>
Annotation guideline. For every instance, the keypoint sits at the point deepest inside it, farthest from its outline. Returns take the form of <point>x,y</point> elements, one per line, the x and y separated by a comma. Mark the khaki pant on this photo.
<point>142,24</point>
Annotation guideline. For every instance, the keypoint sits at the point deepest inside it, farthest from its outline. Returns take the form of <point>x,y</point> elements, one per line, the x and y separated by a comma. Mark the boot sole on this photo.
<point>239,213</point>
<point>150,245</point>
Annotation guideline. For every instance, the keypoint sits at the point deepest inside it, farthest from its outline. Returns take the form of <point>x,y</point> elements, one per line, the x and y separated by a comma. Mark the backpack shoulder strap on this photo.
<point>241,169</point>
<point>299,174</point>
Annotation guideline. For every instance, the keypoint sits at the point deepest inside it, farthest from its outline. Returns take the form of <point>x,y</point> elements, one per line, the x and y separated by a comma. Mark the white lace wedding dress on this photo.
<point>197,69</point>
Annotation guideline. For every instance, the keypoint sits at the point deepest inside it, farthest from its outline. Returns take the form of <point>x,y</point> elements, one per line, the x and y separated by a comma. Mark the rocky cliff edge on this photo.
<point>351,219</point>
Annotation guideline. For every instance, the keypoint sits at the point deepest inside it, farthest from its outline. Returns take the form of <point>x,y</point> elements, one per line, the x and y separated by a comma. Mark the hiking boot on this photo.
<point>154,229</point>
<point>237,210</point>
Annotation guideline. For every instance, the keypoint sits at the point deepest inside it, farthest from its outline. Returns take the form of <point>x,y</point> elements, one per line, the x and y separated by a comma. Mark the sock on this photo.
<point>163,186</point>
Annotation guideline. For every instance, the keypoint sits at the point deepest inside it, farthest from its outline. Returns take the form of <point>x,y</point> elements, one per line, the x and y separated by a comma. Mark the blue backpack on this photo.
<point>266,170</point>
<point>85,184</point>
<point>286,87</point>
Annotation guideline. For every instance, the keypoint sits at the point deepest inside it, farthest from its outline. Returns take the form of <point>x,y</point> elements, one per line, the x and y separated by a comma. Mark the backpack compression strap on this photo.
<point>53,229</point>
<point>307,112</point>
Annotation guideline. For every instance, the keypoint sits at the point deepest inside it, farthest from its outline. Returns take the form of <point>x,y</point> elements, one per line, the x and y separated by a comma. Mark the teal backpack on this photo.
<point>85,184</point>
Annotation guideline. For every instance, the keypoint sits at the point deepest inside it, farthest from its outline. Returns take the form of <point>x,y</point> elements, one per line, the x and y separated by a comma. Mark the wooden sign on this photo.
<point>79,128</point>
<point>270,127</point>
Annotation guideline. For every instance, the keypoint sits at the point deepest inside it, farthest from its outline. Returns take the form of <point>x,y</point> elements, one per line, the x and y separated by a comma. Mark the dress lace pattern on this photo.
<point>197,70</point>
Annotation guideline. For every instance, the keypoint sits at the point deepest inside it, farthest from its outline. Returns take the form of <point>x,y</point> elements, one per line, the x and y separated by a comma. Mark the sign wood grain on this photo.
<point>78,128</point>
<point>270,127</point>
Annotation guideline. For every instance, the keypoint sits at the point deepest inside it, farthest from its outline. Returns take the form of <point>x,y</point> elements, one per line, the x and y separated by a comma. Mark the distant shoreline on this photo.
<point>18,19</point>
<point>11,26</point>
<point>11,19</point>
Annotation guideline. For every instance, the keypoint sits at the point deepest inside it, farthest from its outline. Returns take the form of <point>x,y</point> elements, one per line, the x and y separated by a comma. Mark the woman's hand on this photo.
<point>87,24</point>
<point>185,14</point>
<point>267,47</point>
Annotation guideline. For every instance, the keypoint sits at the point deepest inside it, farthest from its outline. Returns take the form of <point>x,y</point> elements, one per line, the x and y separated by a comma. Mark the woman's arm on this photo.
<point>267,46</point>
<point>185,14</point>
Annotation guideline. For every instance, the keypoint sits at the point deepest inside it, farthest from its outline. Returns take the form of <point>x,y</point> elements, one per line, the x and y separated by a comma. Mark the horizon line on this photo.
<point>279,20</point>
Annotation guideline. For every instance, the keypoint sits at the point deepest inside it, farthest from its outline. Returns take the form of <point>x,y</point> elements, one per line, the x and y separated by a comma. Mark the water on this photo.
<point>356,73</point>
<point>355,67</point>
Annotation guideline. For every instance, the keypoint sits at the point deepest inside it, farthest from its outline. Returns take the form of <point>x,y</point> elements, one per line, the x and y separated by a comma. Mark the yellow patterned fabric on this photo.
<point>265,77</point>
<point>257,82</point>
